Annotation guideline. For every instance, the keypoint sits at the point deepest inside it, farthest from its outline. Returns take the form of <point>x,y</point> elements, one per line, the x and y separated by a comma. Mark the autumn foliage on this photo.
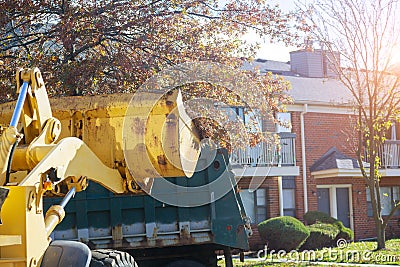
<point>92,47</point>
<point>104,46</point>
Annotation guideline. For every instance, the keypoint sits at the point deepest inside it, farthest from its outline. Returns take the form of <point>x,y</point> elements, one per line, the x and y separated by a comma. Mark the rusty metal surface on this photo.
<point>99,122</point>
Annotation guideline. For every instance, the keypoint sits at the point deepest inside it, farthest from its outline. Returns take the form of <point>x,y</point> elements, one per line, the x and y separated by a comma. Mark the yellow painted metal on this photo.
<point>7,240</point>
<point>160,139</point>
<point>99,122</point>
<point>7,139</point>
<point>37,121</point>
<point>36,109</point>
<point>71,157</point>
<point>54,215</point>
<point>22,222</point>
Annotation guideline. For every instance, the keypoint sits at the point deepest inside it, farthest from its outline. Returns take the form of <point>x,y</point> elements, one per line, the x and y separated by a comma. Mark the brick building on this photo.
<point>316,167</point>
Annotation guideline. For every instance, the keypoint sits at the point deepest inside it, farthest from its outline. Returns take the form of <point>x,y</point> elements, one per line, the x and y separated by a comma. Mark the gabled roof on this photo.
<point>264,66</point>
<point>334,159</point>
<point>321,91</point>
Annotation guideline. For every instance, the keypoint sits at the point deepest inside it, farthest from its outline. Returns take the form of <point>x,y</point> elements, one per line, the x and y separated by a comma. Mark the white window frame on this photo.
<point>285,117</point>
<point>256,205</point>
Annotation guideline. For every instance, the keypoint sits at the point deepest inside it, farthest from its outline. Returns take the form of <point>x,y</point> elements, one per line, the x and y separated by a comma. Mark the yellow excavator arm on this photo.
<point>33,161</point>
<point>47,162</point>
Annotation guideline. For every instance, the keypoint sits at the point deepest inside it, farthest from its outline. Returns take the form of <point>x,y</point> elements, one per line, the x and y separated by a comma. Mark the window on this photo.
<point>234,113</point>
<point>285,119</point>
<point>288,191</point>
<point>261,205</point>
<point>255,204</point>
<point>250,117</point>
<point>248,203</point>
<point>390,195</point>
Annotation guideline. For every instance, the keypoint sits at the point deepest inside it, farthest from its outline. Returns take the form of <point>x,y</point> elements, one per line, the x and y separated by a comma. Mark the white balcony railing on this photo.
<point>389,153</point>
<point>267,154</point>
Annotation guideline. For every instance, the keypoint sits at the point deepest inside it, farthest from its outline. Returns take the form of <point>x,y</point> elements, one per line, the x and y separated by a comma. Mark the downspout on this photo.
<point>280,191</point>
<point>303,156</point>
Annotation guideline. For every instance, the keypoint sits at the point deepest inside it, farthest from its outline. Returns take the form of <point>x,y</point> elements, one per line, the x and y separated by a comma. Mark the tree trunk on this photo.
<point>376,210</point>
<point>380,232</point>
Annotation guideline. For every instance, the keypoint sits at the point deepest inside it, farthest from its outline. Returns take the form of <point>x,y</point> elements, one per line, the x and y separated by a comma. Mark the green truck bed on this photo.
<point>211,217</point>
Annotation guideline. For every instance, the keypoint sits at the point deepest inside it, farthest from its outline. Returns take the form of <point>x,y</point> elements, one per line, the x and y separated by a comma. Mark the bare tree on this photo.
<point>361,37</point>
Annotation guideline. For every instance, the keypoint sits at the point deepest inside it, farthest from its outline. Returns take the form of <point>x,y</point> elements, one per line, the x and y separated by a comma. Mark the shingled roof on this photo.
<point>334,159</point>
<point>323,91</point>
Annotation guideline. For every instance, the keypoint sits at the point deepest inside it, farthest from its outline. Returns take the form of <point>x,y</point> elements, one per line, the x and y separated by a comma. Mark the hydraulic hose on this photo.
<point>8,172</point>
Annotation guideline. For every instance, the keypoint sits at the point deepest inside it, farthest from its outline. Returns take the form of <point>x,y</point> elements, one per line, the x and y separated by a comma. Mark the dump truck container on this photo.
<point>155,233</point>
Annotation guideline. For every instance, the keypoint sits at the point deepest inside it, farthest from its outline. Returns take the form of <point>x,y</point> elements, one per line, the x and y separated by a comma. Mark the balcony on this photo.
<point>389,153</point>
<point>267,159</point>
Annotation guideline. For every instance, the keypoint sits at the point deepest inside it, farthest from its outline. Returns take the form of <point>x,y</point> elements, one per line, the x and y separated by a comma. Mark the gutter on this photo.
<point>303,156</point>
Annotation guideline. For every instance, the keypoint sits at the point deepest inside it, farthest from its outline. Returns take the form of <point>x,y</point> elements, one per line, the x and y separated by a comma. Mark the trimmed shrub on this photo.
<point>321,235</point>
<point>283,233</point>
<point>325,231</point>
<point>314,216</point>
<point>344,232</point>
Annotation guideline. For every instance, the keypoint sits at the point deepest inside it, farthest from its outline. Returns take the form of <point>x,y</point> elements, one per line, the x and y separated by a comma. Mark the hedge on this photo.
<point>344,232</point>
<point>283,233</point>
<point>312,217</point>
<point>325,230</point>
<point>321,235</point>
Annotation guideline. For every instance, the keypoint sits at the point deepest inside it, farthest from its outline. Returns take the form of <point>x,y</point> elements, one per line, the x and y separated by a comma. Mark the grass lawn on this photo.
<point>353,253</point>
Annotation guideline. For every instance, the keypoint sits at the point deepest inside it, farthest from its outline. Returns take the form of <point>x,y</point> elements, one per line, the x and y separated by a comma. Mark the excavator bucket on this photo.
<point>149,138</point>
<point>159,137</point>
